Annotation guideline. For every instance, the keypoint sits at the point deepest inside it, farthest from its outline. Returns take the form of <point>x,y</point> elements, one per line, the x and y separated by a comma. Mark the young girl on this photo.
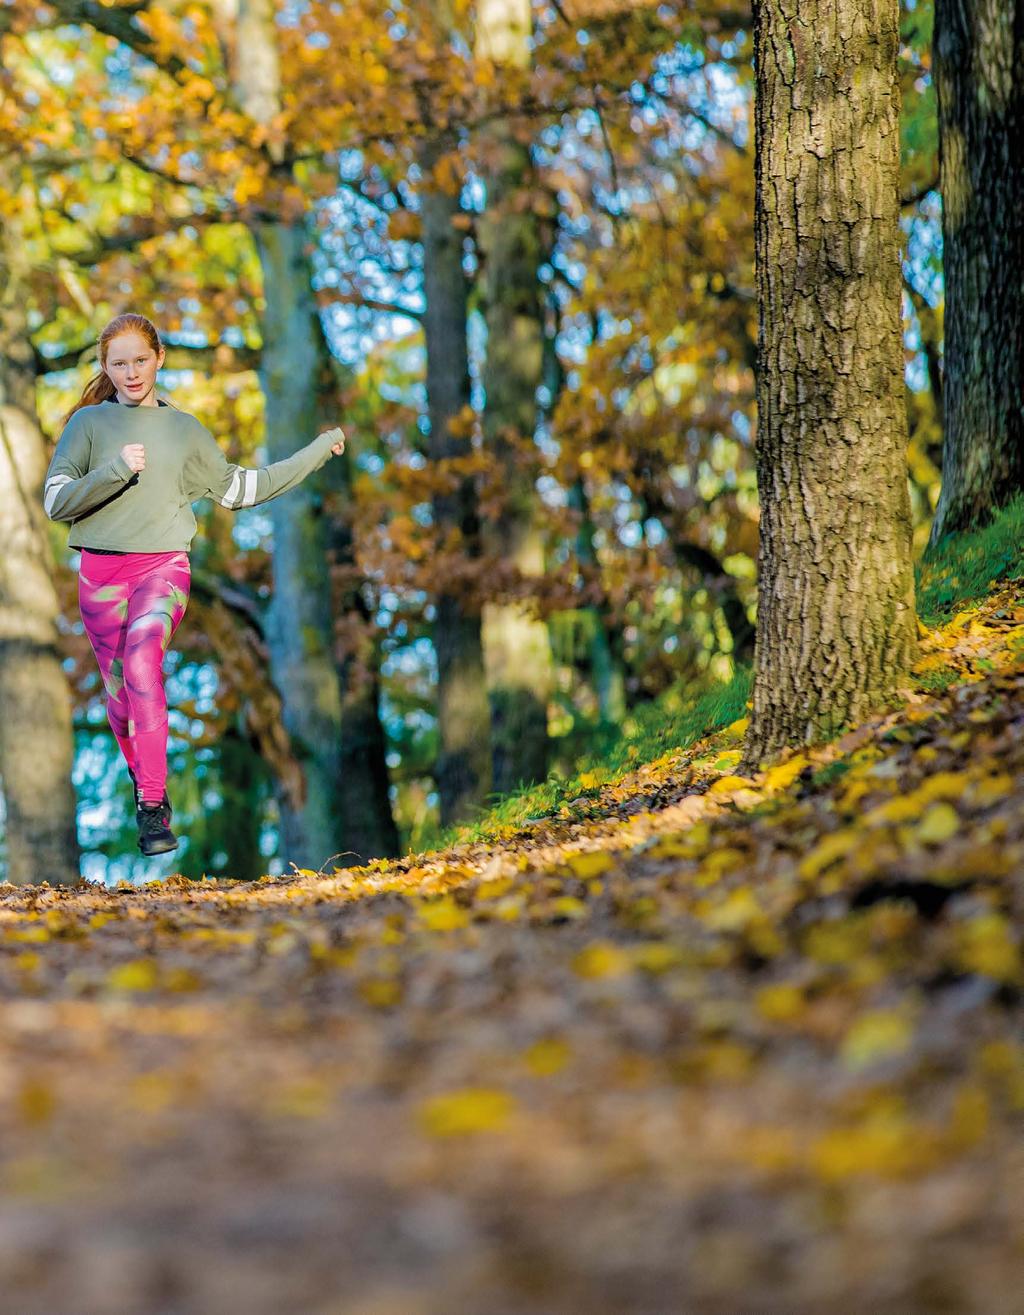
<point>125,472</point>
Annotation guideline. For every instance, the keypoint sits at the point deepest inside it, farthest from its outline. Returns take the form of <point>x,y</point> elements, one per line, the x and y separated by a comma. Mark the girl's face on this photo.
<point>132,365</point>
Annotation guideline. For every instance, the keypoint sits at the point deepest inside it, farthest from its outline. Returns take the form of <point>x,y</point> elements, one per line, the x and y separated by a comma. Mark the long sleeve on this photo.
<point>210,474</point>
<point>71,489</point>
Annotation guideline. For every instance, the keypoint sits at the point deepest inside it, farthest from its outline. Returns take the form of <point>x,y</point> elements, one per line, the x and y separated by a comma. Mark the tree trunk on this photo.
<point>979,74</point>
<point>835,626</point>
<point>369,823</point>
<point>463,770</point>
<point>36,744</point>
<point>517,649</point>
<point>293,372</point>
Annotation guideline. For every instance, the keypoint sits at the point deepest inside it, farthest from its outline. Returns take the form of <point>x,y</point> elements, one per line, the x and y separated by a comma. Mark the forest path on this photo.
<point>703,1042</point>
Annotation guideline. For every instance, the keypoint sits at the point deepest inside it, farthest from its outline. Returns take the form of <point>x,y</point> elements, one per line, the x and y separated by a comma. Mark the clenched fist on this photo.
<point>337,447</point>
<point>135,456</point>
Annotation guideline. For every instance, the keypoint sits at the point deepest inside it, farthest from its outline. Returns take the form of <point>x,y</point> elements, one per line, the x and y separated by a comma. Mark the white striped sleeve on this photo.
<point>212,475</point>
<point>72,487</point>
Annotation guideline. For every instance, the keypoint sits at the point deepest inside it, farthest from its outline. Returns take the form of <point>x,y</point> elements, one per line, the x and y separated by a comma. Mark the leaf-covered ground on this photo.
<point>699,1043</point>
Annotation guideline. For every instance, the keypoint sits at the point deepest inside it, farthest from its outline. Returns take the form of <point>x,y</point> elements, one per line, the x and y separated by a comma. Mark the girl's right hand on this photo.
<point>135,456</point>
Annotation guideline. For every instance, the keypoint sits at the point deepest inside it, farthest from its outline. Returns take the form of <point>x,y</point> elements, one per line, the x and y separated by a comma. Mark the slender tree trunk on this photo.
<point>979,72</point>
<point>295,373</point>
<point>369,823</point>
<point>36,744</point>
<point>605,669</point>
<point>517,648</point>
<point>463,770</point>
<point>835,628</point>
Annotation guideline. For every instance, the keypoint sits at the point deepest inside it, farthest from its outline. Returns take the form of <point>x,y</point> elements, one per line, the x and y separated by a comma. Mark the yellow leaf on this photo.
<point>36,1101</point>
<point>657,956</point>
<point>726,783</point>
<point>443,915</point>
<point>784,774</point>
<point>547,1056</point>
<point>590,864</point>
<point>601,959</point>
<point>735,912</point>
<point>986,945</point>
<point>939,823</point>
<point>139,975</point>
<point>381,992</point>
<point>568,906</point>
<point>779,1003</point>
<point>834,846</point>
<point>462,1113</point>
<point>874,1036</point>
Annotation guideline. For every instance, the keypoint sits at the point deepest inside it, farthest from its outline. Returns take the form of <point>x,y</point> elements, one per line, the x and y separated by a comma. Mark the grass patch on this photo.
<point>957,574</point>
<point>649,731</point>
<point>962,569</point>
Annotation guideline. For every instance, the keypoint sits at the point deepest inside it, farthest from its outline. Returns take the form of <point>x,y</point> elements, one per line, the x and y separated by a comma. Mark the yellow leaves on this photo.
<point>886,1144</point>
<point>874,1036</point>
<point>467,1112</point>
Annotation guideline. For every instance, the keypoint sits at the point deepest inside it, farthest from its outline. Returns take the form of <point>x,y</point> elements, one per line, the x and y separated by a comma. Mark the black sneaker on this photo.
<point>155,834</point>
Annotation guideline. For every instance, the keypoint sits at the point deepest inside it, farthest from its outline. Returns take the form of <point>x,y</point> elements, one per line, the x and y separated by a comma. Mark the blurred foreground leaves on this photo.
<point>716,1045</point>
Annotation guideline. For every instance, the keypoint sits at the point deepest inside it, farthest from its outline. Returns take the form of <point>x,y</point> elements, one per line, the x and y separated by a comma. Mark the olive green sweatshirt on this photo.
<point>90,484</point>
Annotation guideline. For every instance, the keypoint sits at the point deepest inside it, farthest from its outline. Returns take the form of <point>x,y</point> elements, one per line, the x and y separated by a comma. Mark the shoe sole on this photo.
<point>158,848</point>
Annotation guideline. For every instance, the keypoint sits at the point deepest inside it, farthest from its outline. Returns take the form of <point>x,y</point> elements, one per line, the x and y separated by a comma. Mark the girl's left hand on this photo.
<point>338,447</point>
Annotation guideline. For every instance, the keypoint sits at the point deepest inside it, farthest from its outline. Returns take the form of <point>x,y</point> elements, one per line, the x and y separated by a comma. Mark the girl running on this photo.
<point>125,472</point>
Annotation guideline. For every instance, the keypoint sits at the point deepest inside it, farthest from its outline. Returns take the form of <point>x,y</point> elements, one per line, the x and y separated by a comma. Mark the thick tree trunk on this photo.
<point>517,649</point>
<point>463,770</point>
<point>835,627</point>
<point>36,745</point>
<point>979,71</point>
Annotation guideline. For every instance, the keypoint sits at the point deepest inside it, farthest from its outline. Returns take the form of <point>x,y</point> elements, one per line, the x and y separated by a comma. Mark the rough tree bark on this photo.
<point>836,627</point>
<point>979,72</point>
<point>36,746</point>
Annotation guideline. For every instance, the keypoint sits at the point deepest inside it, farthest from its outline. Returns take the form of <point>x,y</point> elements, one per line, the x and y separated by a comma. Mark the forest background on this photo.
<point>510,250</point>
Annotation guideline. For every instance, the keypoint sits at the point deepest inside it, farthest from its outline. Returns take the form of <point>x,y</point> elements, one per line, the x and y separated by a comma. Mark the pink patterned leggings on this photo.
<point>131,605</point>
